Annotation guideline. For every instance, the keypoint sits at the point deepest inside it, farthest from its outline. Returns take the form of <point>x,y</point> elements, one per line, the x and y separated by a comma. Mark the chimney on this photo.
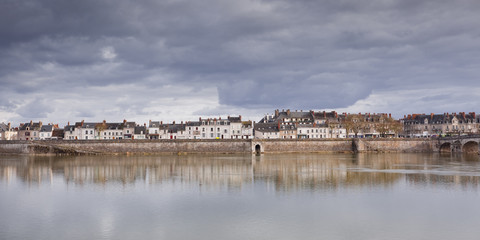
<point>288,111</point>
<point>9,126</point>
<point>68,123</point>
<point>31,122</point>
<point>463,114</point>
<point>389,115</point>
<point>200,119</point>
<point>181,122</point>
<point>324,114</point>
<point>173,122</point>
<point>124,121</point>
<point>240,117</point>
<point>276,113</point>
<point>161,122</point>
<point>104,121</point>
<point>40,123</point>
<point>431,116</point>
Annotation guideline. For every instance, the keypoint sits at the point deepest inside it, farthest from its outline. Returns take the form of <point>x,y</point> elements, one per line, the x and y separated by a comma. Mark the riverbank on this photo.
<point>85,147</point>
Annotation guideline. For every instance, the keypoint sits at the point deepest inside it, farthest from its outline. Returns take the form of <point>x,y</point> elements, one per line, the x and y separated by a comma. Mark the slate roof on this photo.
<point>173,128</point>
<point>129,125</point>
<point>325,115</point>
<point>193,124</point>
<point>46,128</point>
<point>3,127</point>
<point>114,126</point>
<point>235,119</point>
<point>439,118</point>
<point>266,127</point>
<point>69,128</point>
<point>138,130</point>
<point>34,126</point>
<point>154,124</point>
<point>85,125</point>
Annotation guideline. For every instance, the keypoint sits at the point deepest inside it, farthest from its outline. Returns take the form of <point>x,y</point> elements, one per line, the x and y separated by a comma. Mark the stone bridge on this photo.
<point>465,144</point>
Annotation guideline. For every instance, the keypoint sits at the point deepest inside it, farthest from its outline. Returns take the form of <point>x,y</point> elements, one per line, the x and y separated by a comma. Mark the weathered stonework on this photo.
<point>394,145</point>
<point>238,146</point>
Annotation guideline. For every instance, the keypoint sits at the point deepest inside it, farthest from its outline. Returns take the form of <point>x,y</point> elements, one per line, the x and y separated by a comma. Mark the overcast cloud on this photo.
<point>177,60</point>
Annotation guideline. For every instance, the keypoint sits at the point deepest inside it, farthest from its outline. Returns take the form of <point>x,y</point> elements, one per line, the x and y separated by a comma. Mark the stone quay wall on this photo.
<point>395,145</point>
<point>70,147</point>
<point>302,145</point>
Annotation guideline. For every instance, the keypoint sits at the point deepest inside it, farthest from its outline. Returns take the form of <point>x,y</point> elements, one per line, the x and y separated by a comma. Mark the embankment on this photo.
<point>215,146</point>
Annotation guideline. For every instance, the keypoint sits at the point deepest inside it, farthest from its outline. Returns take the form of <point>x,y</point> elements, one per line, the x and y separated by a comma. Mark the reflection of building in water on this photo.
<point>465,182</point>
<point>284,172</point>
<point>22,167</point>
<point>207,170</point>
<point>313,171</point>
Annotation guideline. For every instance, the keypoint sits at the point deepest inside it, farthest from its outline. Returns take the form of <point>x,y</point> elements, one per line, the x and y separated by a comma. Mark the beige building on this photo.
<point>7,132</point>
<point>423,125</point>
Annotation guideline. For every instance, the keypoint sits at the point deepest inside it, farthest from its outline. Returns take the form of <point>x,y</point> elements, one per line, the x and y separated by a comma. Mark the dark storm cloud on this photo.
<point>296,54</point>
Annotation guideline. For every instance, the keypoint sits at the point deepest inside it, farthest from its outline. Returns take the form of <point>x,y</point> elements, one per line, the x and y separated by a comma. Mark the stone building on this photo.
<point>266,131</point>
<point>423,125</point>
<point>29,131</point>
<point>308,124</point>
<point>7,132</point>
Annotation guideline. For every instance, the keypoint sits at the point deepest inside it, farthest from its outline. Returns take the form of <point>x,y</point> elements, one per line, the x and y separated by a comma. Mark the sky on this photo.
<point>93,60</point>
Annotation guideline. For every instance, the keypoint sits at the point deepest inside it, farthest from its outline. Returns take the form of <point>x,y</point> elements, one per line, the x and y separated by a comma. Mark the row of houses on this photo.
<point>284,124</point>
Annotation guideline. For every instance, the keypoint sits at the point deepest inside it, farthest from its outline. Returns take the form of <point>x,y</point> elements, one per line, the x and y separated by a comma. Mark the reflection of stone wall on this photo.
<point>283,172</point>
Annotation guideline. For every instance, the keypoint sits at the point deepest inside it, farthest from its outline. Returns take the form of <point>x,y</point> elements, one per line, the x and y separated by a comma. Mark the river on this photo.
<point>277,196</point>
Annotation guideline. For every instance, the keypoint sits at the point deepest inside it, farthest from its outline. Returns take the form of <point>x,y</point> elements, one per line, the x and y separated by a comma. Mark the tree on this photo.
<point>386,124</point>
<point>354,123</point>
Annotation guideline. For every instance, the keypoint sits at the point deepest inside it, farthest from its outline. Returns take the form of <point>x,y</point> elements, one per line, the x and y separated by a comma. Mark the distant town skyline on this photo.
<point>179,60</point>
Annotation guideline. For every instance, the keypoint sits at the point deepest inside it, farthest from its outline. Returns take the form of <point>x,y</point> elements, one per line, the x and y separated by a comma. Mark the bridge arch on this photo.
<point>258,148</point>
<point>470,147</point>
<point>446,148</point>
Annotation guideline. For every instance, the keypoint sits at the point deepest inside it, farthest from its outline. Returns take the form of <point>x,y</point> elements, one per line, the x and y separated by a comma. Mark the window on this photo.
<point>91,131</point>
<point>86,131</point>
<point>128,131</point>
<point>211,129</point>
<point>225,131</point>
<point>211,135</point>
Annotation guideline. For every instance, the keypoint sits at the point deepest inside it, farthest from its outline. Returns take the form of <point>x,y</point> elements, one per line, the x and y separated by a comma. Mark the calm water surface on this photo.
<point>293,196</point>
